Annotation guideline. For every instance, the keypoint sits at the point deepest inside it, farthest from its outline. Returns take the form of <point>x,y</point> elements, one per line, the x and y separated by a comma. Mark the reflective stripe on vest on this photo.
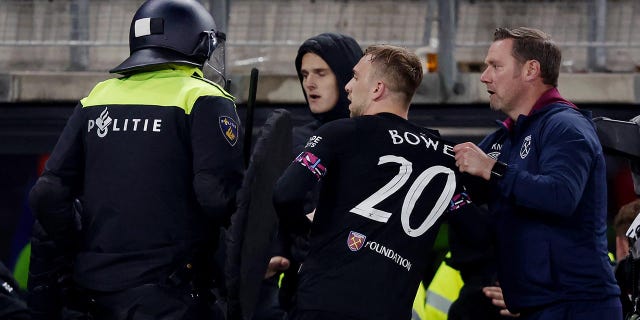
<point>442,292</point>
<point>438,302</point>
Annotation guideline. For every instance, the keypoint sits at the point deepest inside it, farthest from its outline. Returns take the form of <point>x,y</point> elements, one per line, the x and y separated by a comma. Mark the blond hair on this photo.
<point>400,67</point>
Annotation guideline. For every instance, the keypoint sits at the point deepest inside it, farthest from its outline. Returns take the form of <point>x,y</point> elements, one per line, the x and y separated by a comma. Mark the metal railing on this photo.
<point>596,35</point>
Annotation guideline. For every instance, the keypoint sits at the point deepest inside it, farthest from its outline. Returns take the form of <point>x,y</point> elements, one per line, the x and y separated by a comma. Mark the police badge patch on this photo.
<point>229,129</point>
<point>355,240</point>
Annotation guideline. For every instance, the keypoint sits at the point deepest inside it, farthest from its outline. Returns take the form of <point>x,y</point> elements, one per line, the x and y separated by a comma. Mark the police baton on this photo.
<point>248,135</point>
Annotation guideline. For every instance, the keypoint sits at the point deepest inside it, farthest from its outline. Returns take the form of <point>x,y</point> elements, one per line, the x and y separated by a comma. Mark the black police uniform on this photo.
<point>12,305</point>
<point>155,159</point>
<point>385,185</point>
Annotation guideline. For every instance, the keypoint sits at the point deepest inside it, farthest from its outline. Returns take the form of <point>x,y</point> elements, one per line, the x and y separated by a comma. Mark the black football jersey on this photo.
<point>386,185</point>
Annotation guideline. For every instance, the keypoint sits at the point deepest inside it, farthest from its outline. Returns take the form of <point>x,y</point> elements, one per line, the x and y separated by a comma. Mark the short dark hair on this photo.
<point>400,66</point>
<point>533,44</point>
<point>625,216</point>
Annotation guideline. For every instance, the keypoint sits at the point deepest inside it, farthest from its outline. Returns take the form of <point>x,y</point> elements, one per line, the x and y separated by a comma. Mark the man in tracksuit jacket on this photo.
<point>155,159</point>
<point>546,187</point>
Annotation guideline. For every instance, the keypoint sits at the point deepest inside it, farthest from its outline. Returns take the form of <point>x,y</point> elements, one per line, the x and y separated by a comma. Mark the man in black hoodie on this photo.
<point>324,65</point>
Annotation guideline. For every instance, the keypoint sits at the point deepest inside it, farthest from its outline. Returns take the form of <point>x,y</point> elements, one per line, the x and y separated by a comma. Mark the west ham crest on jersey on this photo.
<point>526,147</point>
<point>355,240</point>
<point>229,129</point>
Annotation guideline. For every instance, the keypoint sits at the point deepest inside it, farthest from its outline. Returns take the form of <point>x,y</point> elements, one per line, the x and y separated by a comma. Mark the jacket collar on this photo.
<point>549,98</point>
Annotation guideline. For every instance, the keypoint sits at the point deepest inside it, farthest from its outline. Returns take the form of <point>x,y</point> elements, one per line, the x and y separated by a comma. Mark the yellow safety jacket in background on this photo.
<point>434,303</point>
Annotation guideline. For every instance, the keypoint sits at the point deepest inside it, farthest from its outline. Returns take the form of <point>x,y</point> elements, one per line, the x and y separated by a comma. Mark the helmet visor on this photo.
<point>214,68</point>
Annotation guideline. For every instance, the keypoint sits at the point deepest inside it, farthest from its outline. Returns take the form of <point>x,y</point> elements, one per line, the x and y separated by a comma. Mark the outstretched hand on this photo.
<point>495,294</point>
<point>276,264</point>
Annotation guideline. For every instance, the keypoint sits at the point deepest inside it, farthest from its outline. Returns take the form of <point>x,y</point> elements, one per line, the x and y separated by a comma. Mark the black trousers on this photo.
<point>152,301</point>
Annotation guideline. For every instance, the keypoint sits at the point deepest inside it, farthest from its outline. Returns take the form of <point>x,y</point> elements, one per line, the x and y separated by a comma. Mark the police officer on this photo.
<point>12,306</point>
<point>154,157</point>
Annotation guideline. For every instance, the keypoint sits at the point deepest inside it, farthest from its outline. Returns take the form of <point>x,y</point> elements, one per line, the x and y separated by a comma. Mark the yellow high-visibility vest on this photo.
<point>419,304</point>
<point>434,302</point>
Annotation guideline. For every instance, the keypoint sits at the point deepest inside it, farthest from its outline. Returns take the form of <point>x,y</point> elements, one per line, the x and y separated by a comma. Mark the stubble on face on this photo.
<point>505,82</point>
<point>354,112</point>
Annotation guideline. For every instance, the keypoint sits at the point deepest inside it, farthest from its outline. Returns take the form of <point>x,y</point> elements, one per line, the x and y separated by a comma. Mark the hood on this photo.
<point>341,53</point>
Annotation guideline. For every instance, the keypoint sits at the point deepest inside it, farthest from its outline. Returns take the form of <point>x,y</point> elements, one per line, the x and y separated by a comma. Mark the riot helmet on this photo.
<point>169,31</point>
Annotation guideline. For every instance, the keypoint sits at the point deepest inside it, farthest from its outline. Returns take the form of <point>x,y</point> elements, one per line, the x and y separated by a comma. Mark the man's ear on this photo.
<point>379,90</point>
<point>532,70</point>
